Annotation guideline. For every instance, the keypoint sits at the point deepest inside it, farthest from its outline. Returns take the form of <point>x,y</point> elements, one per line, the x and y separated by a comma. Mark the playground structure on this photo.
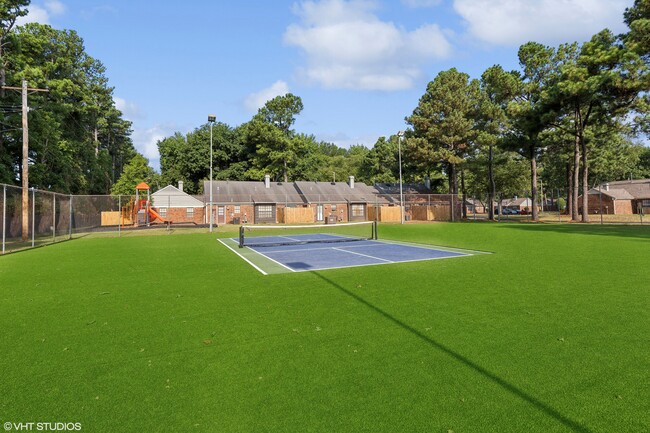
<point>143,213</point>
<point>136,212</point>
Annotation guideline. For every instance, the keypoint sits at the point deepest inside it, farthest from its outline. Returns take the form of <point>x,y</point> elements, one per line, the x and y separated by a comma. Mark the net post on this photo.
<point>375,234</point>
<point>241,236</point>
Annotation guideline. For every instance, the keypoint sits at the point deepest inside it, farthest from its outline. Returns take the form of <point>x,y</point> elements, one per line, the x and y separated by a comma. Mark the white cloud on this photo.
<point>130,110</point>
<point>146,141</point>
<point>343,140</point>
<point>421,3</point>
<point>513,22</point>
<point>42,13</point>
<point>55,7</point>
<point>348,46</point>
<point>255,101</point>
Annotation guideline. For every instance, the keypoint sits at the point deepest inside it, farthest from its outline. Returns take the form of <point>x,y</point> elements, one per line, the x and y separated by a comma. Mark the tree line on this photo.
<point>571,116</point>
<point>78,141</point>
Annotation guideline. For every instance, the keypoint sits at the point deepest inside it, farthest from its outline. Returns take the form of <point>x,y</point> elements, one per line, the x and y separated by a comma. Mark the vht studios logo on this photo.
<point>42,426</point>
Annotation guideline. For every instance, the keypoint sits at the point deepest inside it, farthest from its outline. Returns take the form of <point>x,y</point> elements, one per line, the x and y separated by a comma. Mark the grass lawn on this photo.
<point>175,333</point>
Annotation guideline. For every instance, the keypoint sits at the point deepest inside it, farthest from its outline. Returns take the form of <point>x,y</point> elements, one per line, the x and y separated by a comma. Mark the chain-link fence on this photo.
<point>561,206</point>
<point>51,217</point>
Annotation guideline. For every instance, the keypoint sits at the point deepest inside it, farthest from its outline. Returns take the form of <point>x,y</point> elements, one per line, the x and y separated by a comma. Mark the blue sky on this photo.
<point>359,66</point>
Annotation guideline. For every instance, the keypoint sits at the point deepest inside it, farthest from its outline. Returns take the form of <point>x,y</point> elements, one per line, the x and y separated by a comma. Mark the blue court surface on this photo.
<point>307,253</point>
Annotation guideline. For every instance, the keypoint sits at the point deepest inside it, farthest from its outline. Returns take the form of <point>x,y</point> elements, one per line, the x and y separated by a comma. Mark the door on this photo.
<point>319,212</point>
<point>221,214</point>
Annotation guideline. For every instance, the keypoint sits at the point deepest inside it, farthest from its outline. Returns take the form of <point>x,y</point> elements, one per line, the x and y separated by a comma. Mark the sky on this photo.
<point>359,66</point>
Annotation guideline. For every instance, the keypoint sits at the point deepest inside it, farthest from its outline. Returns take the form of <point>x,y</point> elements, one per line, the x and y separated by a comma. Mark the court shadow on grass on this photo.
<point>622,231</point>
<point>539,405</point>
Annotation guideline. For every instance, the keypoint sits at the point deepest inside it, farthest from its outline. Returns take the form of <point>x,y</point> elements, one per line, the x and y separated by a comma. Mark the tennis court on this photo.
<point>298,249</point>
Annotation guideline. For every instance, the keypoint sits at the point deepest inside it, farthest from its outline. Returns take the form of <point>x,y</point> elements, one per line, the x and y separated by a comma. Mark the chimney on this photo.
<point>427,182</point>
<point>180,185</point>
<point>606,186</point>
<point>267,181</point>
<point>351,182</point>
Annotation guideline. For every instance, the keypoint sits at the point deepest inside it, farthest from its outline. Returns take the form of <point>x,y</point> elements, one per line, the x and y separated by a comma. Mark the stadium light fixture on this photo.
<point>400,137</point>
<point>211,119</point>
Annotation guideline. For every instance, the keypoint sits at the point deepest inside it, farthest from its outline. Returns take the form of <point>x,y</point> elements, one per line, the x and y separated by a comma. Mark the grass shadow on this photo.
<point>538,404</point>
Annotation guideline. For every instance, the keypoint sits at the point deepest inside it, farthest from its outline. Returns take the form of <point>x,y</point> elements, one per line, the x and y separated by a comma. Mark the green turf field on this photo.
<point>175,333</point>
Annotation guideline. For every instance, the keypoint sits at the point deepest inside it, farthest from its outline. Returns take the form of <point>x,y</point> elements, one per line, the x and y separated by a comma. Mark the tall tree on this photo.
<point>280,114</point>
<point>10,11</point>
<point>498,89</point>
<point>528,112</point>
<point>597,86</point>
<point>136,171</point>
<point>78,141</point>
<point>444,121</point>
<point>380,163</point>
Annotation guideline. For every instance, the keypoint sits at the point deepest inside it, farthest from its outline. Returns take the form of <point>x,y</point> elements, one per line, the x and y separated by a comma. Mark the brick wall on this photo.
<point>180,215</point>
<point>245,213</point>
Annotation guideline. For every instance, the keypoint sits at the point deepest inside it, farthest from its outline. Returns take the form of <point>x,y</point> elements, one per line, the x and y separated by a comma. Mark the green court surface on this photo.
<point>170,333</point>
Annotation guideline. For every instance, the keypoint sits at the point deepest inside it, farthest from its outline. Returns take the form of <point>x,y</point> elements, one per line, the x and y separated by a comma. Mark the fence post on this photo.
<point>70,221</point>
<point>33,216</point>
<point>53,218</point>
<point>119,219</point>
<point>452,209</point>
<point>4,216</point>
<point>600,199</point>
<point>499,207</point>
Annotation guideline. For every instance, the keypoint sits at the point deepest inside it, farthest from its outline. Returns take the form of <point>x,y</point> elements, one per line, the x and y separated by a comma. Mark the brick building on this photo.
<point>625,197</point>
<point>252,202</point>
<point>176,206</point>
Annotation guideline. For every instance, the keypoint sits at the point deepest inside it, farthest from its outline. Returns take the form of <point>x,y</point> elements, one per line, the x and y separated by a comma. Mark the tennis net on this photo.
<point>260,236</point>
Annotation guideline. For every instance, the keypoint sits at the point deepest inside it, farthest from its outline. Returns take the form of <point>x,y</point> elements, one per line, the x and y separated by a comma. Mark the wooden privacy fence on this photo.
<point>384,213</point>
<point>436,212</point>
<point>296,215</point>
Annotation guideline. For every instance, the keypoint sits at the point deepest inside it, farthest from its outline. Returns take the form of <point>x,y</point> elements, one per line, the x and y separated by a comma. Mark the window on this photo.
<point>265,211</point>
<point>190,212</point>
<point>358,210</point>
<point>237,209</point>
<point>163,212</point>
<point>646,203</point>
<point>333,208</point>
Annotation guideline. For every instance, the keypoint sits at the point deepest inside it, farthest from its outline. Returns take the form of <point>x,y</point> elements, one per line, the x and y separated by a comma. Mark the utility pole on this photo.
<point>25,164</point>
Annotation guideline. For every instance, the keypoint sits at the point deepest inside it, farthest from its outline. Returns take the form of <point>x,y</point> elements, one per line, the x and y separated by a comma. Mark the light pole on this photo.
<point>211,119</point>
<point>400,136</point>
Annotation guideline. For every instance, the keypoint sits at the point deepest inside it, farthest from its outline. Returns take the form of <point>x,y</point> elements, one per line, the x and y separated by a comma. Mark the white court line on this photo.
<point>380,264</point>
<point>261,244</point>
<point>354,244</point>
<point>245,259</point>
<point>275,261</point>
<point>329,247</point>
<point>363,255</point>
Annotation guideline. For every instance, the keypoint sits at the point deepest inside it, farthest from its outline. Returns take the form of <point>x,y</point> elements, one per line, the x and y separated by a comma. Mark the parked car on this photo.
<point>508,211</point>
